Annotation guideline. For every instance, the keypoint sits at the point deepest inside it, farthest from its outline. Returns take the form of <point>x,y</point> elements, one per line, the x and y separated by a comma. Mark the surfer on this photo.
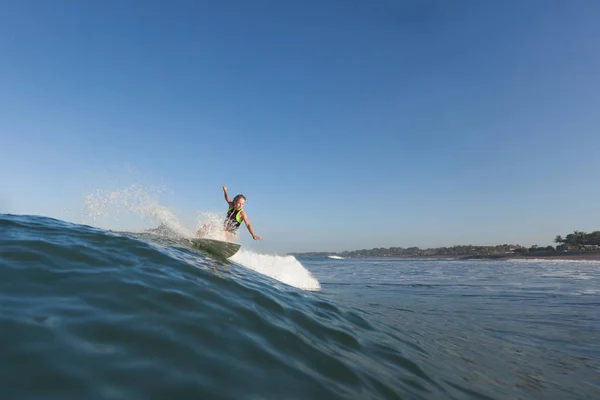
<point>233,219</point>
<point>235,216</point>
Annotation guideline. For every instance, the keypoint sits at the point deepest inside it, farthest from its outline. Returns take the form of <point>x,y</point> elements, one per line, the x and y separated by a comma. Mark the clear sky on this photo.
<point>347,124</point>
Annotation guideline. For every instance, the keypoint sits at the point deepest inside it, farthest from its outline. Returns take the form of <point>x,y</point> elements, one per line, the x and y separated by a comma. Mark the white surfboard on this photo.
<point>216,247</point>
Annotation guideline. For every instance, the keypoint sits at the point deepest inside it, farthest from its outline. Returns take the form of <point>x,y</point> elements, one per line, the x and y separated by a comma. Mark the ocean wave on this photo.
<point>88,313</point>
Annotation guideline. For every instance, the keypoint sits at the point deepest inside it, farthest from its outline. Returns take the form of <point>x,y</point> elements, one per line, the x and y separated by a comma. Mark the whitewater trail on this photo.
<point>286,269</point>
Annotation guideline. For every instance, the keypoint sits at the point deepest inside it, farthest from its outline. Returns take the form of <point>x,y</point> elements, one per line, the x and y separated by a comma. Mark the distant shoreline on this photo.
<point>541,255</point>
<point>550,255</point>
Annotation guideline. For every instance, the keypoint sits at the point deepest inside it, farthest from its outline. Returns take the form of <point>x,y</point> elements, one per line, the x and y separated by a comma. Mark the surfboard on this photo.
<point>216,247</point>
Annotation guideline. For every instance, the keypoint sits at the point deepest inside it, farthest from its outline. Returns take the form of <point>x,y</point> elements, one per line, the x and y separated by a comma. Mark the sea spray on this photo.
<point>210,225</point>
<point>124,206</point>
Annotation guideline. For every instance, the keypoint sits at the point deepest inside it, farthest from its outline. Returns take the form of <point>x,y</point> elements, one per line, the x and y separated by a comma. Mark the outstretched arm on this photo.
<point>249,226</point>
<point>227,199</point>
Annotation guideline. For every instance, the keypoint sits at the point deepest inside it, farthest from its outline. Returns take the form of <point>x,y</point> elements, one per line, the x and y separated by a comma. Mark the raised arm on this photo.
<point>227,199</point>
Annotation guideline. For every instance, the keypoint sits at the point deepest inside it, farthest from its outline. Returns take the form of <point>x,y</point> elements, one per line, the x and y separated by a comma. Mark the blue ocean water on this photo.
<point>95,314</point>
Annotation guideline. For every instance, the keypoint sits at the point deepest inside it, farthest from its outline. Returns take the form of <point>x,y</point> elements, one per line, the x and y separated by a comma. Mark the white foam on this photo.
<point>589,291</point>
<point>554,261</point>
<point>286,269</point>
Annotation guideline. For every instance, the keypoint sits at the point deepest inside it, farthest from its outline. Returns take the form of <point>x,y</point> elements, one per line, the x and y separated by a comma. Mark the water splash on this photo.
<point>211,225</point>
<point>132,208</point>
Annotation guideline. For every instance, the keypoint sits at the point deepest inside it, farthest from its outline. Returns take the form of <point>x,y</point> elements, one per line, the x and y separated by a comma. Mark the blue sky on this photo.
<point>347,124</point>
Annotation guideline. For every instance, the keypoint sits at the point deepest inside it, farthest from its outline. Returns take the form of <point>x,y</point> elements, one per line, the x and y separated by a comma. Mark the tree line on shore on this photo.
<point>579,238</point>
<point>576,241</point>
